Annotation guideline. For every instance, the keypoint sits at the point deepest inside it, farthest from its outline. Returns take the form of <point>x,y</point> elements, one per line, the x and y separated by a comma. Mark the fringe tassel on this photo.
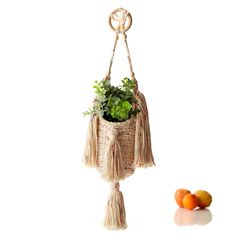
<point>113,169</point>
<point>115,217</point>
<point>90,151</point>
<point>143,149</point>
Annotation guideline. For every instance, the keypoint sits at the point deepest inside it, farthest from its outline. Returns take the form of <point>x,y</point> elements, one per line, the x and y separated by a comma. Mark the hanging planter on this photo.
<point>119,138</point>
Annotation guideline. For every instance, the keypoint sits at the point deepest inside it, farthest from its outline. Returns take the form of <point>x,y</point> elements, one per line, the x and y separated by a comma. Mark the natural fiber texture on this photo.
<point>115,166</point>
<point>115,217</point>
<point>90,151</point>
<point>113,169</point>
<point>143,149</point>
<point>117,148</point>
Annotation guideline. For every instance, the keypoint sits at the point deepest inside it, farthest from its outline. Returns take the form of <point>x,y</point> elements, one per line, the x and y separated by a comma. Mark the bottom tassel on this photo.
<point>115,217</point>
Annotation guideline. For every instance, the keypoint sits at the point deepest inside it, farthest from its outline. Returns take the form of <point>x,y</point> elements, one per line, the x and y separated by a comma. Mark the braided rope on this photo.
<point>107,77</point>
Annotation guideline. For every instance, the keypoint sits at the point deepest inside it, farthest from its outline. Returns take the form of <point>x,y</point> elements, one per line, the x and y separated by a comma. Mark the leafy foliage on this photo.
<point>114,103</point>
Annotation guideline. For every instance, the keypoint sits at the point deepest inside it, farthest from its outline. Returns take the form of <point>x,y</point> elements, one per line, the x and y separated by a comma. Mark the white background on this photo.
<point>184,57</point>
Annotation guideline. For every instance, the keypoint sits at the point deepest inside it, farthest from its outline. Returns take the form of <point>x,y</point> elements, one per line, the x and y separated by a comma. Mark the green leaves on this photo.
<point>121,110</point>
<point>114,103</point>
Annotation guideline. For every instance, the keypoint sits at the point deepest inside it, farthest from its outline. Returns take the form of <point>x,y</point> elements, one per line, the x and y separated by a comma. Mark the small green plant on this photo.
<point>114,103</point>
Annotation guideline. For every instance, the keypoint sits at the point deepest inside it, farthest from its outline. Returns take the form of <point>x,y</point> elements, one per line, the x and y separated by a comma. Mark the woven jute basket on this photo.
<point>125,132</point>
<point>117,148</point>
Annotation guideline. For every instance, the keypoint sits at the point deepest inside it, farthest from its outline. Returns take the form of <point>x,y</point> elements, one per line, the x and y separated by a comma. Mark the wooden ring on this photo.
<point>124,19</point>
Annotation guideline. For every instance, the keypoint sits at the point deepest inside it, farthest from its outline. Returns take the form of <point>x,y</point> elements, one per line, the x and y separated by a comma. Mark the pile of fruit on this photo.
<point>185,199</point>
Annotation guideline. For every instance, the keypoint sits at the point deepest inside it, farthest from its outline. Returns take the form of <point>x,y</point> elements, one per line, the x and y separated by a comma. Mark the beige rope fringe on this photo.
<point>143,149</point>
<point>115,216</point>
<point>113,169</point>
<point>90,151</point>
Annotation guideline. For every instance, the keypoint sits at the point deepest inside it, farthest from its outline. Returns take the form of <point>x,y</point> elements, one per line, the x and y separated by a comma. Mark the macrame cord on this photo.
<point>114,148</point>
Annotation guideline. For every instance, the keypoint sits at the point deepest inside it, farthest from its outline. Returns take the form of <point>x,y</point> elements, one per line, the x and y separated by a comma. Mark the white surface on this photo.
<point>184,56</point>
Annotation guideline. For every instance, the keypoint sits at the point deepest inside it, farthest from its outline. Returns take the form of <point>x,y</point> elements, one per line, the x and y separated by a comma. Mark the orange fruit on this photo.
<point>190,201</point>
<point>179,195</point>
<point>205,198</point>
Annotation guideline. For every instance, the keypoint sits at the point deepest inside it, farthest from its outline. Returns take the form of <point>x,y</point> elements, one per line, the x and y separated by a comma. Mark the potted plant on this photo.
<point>114,103</point>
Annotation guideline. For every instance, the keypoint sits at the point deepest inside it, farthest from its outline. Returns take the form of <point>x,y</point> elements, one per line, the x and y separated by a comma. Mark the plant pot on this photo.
<point>125,135</point>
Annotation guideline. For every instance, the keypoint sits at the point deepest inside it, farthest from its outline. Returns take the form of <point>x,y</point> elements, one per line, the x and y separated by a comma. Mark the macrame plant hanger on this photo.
<point>117,148</point>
